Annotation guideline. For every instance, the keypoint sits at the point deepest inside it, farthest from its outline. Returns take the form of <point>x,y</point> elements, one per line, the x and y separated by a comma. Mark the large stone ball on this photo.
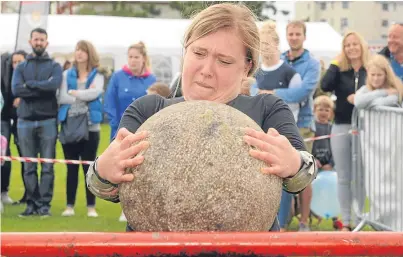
<point>197,174</point>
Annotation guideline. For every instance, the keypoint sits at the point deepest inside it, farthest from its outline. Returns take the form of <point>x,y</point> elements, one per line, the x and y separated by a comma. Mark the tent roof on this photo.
<point>108,33</point>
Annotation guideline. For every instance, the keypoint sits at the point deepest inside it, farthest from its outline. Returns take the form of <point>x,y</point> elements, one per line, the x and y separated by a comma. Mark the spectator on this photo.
<point>3,144</point>
<point>35,81</point>
<point>394,50</point>
<point>66,65</point>
<point>319,91</point>
<point>9,121</point>
<point>80,115</point>
<point>309,69</point>
<point>246,85</point>
<point>274,73</point>
<point>345,75</point>
<point>321,149</point>
<point>127,85</point>
<point>159,88</point>
<point>383,87</point>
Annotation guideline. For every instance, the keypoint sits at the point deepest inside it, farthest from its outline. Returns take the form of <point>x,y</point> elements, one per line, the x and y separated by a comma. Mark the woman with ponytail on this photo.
<point>127,85</point>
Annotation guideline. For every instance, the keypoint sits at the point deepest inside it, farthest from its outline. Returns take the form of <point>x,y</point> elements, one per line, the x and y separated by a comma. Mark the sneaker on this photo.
<point>92,213</point>
<point>44,212</point>
<point>303,227</point>
<point>29,211</point>
<point>68,212</point>
<point>6,199</point>
<point>122,218</point>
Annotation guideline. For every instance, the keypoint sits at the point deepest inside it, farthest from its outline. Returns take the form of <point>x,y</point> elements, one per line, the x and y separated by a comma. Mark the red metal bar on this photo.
<point>193,244</point>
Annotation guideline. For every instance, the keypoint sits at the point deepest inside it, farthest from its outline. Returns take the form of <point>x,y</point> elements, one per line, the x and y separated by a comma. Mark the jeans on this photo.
<point>6,130</point>
<point>285,208</point>
<point>38,137</point>
<point>85,150</point>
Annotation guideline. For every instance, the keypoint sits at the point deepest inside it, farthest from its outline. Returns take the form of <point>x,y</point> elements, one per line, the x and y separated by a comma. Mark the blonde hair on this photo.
<point>345,64</point>
<point>228,16</point>
<point>298,24</point>
<point>141,47</point>
<point>246,85</point>
<point>391,80</point>
<point>269,28</point>
<point>93,57</point>
<point>323,101</point>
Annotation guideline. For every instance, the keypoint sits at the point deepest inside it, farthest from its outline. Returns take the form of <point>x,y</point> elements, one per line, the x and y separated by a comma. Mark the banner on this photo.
<point>32,14</point>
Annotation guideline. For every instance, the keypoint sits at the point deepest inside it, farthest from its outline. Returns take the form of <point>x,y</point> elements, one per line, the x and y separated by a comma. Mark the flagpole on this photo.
<point>18,27</point>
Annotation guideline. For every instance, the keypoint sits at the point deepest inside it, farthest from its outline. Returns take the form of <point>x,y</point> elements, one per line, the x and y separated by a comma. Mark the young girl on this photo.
<point>381,143</point>
<point>382,88</point>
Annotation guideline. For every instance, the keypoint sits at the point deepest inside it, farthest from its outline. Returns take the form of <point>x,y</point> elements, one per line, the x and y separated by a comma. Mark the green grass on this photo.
<point>108,212</point>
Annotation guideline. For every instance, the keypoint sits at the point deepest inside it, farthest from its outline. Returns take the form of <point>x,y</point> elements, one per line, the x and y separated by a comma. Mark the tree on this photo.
<point>121,8</point>
<point>189,9</point>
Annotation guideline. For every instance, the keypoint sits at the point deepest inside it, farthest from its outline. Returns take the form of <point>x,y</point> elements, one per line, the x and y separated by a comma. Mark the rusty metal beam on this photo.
<point>206,244</point>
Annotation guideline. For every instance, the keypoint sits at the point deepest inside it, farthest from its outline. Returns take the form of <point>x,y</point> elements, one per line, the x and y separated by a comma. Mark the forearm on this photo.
<point>93,92</point>
<point>304,176</point>
<point>106,191</point>
<point>88,95</point>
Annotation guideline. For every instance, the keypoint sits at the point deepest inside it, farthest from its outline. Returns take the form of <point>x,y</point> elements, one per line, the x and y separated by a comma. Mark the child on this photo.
<point>3,143</point>
<point>246,86</point>
<point>159,88</point>
<point>323,109</point>
<point>382,88</point>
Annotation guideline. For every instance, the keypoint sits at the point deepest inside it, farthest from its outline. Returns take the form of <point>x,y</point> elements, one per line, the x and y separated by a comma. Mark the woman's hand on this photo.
<point>72,92</point>
<point>350,98</point>
<point>121,154</point>
<point>275,150</point>
<point>392,91</point>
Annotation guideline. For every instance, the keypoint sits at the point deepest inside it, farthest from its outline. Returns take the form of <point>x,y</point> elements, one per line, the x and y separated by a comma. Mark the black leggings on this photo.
<point>87,150</point>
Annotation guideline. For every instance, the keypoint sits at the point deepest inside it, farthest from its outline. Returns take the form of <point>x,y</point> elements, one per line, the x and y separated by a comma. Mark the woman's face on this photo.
<point>17,59</point>
<point>352,47</point>
<point>214,67</point>
<point>80,56</point>
<point>135,60</point>
<point>377,77</point>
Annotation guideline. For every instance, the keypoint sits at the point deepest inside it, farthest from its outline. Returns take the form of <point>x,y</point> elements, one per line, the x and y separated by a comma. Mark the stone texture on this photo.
<point>198,174</point>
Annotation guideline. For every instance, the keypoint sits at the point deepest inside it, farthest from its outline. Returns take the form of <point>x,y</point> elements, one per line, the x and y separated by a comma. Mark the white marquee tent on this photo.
<point>163,37</point>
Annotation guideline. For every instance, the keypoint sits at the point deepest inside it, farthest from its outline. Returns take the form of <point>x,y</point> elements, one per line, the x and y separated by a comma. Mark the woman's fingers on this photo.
<point>133,150</point>
<point>122,133</point>
<point>130,163</point>
<point>266,157</point>
<point>129,140</point>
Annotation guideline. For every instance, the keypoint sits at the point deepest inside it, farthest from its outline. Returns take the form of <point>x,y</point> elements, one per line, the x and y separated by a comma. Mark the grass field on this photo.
<point>108,212</point>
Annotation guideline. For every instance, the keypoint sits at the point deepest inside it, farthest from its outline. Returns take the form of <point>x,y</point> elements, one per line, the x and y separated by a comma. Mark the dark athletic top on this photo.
<point>268,111</point>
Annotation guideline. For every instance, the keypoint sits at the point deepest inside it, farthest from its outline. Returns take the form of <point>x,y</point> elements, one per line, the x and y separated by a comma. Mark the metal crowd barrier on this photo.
<point>377,178</point>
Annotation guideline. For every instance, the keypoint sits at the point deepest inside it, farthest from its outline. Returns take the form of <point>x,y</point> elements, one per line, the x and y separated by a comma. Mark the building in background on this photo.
<point>370,18</point>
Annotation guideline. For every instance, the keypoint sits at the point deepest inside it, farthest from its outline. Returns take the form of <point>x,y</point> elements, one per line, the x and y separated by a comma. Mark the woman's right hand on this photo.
<point>121,154</point>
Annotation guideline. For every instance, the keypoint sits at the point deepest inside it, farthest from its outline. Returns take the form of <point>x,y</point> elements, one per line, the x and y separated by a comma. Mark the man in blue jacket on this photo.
<point>35,81</point>
<point>394,50</point>
<point>309,69</point>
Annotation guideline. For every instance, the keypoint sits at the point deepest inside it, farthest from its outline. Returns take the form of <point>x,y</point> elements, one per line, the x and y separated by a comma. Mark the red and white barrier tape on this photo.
<point>42,160</point>
<point>45,160</point>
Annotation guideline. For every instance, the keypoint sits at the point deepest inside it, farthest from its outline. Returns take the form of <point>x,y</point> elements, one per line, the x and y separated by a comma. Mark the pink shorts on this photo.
<point>3,147</point>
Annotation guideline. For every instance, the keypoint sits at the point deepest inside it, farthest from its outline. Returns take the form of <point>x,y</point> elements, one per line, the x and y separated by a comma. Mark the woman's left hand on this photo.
<point>281,158</point>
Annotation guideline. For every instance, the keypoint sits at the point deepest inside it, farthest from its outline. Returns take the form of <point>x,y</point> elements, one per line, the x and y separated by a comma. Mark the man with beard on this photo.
<point>394,50</point>
<point>309,69</point>
<point>35,81</point>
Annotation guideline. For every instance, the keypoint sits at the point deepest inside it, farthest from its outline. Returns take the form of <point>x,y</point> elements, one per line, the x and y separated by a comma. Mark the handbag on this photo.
<point>74,129</point>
